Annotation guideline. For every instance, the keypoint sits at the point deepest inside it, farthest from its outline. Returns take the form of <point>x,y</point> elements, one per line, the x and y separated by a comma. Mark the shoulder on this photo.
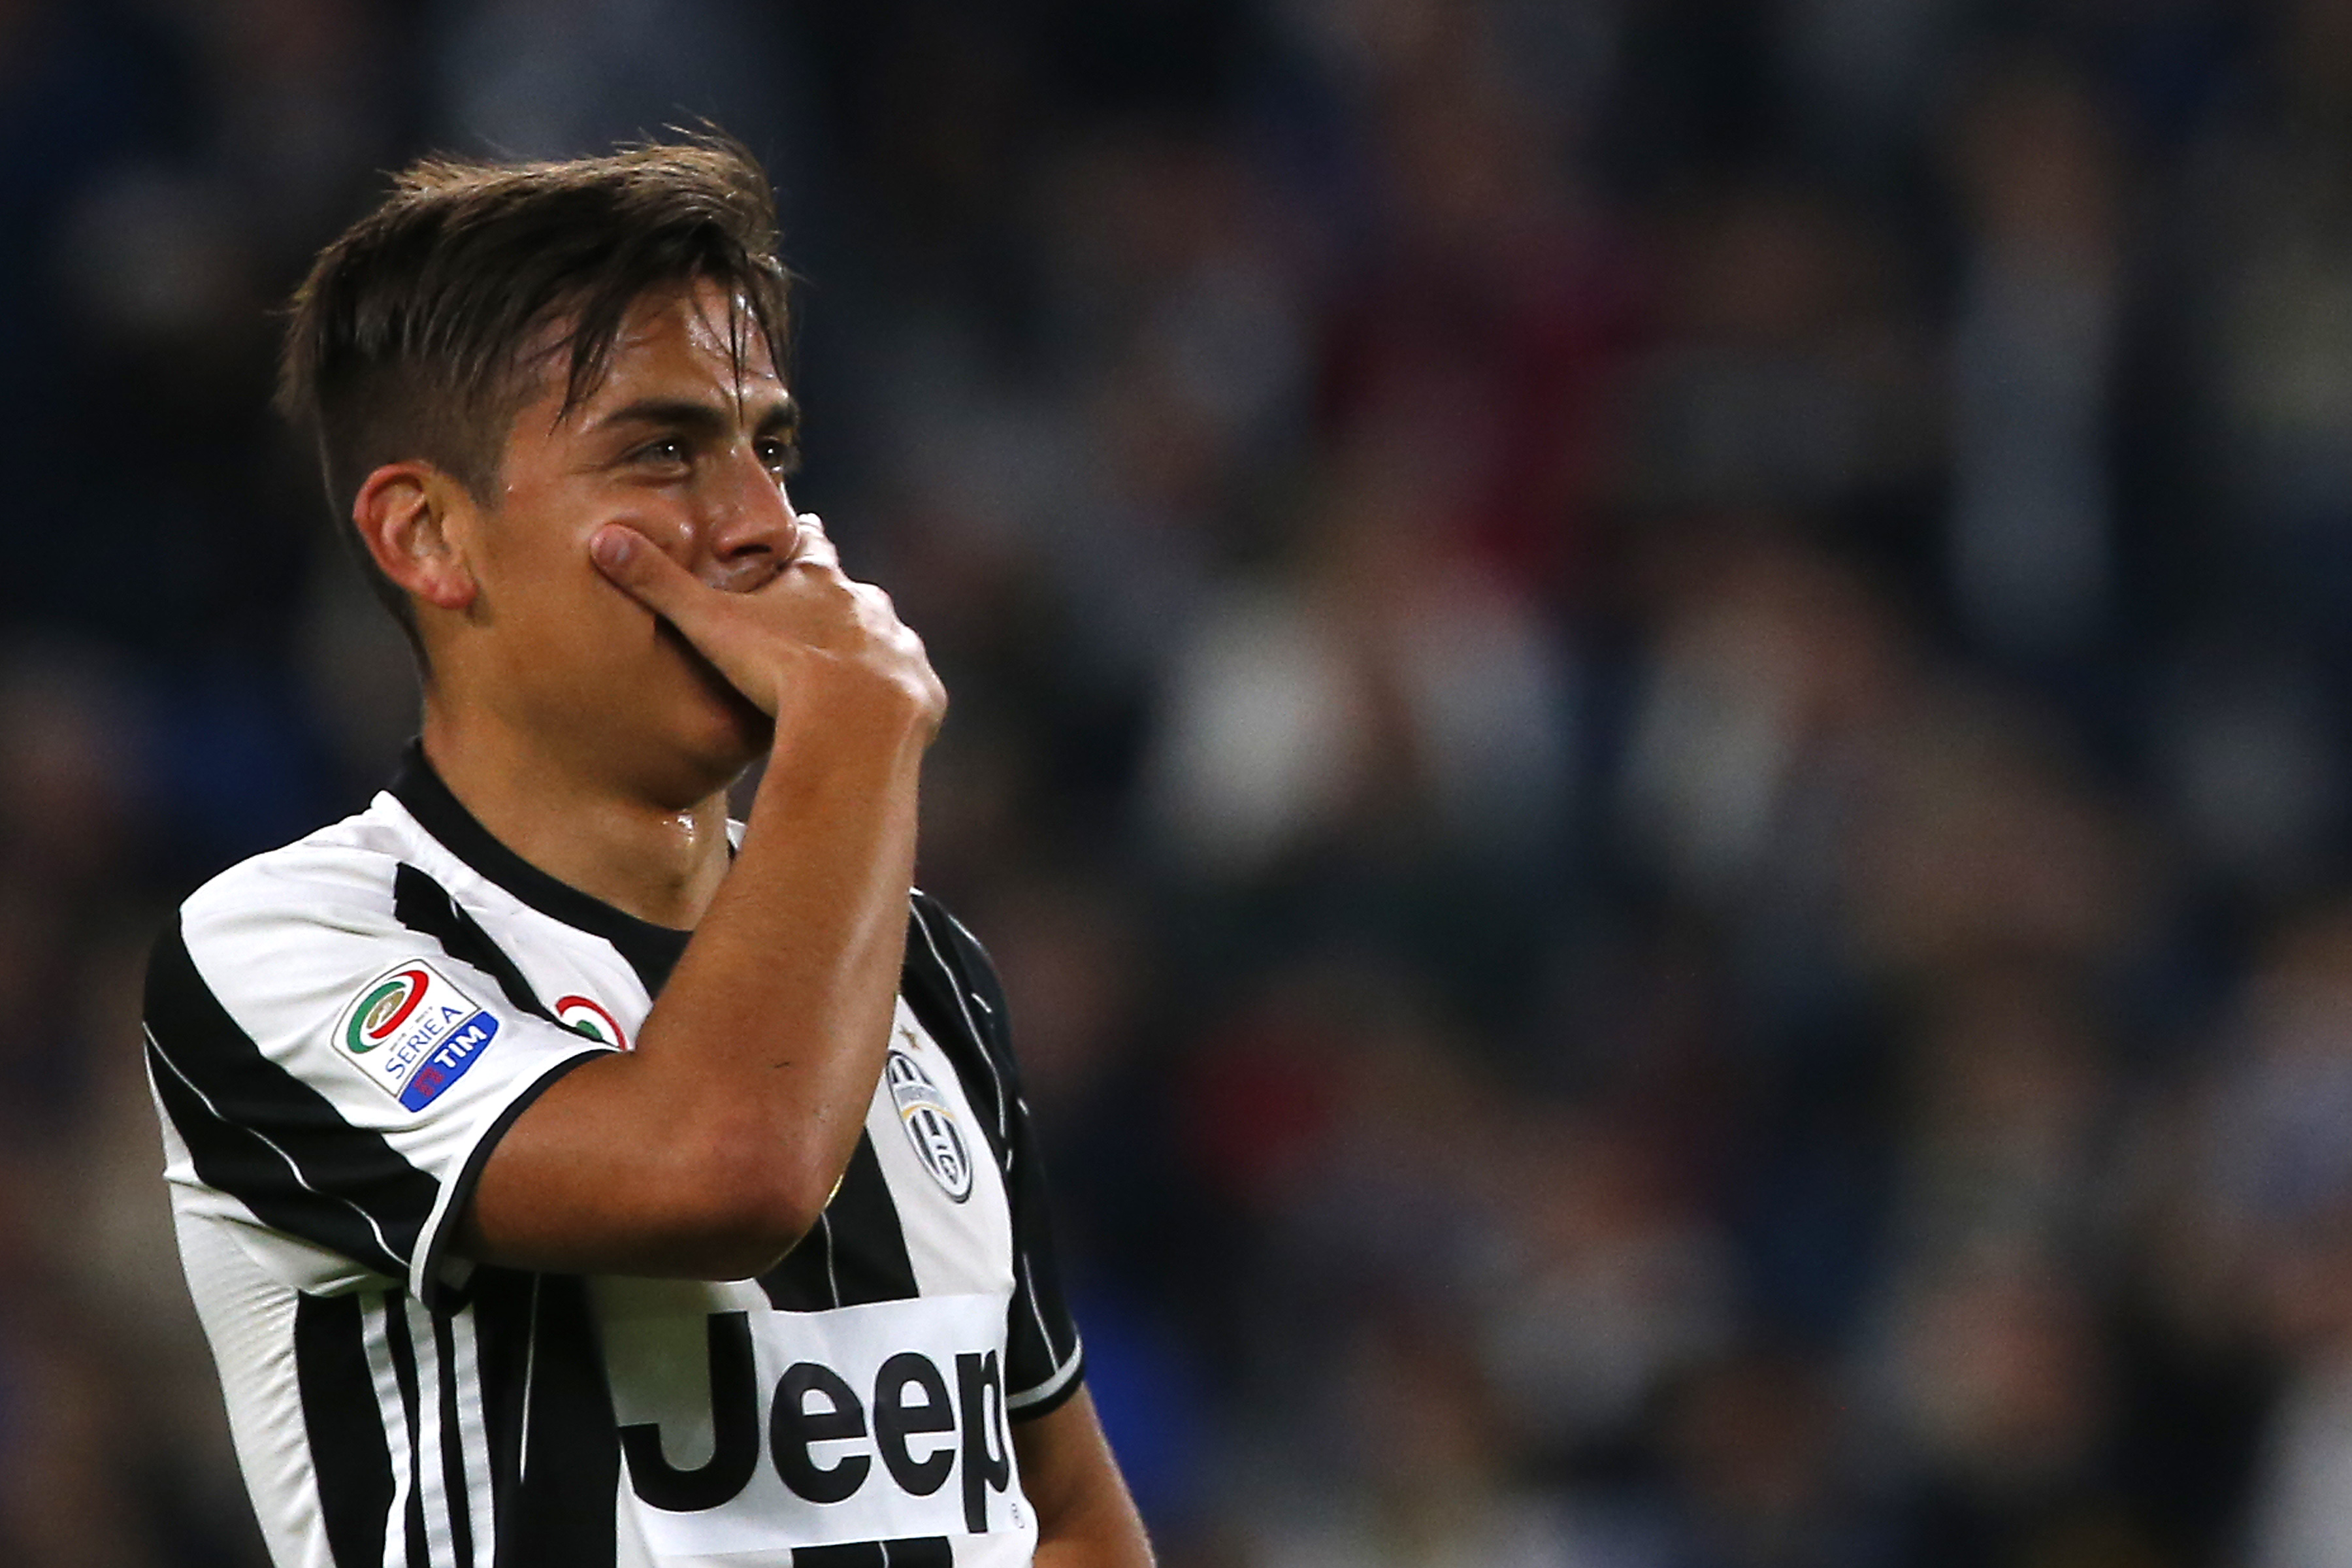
<point>274,916</point>
<point>347,863</point>
<point>944,942</point>
<point>942,953</point>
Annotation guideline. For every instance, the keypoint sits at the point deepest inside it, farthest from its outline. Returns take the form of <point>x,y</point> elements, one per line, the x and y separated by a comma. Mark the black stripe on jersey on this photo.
<point>953,990</point>
<point>555,1445</point>
<point>452,1445</point>
<point>857,1254</point>
<point>652,951</point>
<point>260,1134</point>
<point>403,1372</point>
<point>914,1552</point>
<point>943,994</point>
<point>350,1456</point>
<point>425,907</point>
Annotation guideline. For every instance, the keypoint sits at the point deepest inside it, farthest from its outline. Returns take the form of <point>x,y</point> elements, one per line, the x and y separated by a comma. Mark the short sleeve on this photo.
<point>1045,1359</point>
<point>333,1074</point>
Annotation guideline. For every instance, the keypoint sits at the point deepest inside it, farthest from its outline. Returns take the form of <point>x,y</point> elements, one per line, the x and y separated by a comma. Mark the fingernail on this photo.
<point>610,546</point>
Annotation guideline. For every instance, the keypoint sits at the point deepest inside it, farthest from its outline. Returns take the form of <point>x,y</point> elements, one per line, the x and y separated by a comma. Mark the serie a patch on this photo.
<point>414,1033</point>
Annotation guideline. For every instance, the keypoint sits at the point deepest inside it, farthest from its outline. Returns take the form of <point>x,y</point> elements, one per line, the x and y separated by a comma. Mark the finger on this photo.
<point>814,547</point>
<point>632,564</point>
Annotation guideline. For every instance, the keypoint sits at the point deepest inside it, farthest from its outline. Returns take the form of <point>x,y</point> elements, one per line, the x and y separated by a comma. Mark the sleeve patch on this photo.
<point>412,1033</point>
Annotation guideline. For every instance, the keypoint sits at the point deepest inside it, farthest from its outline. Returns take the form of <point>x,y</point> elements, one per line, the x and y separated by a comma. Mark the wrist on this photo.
<point>836,769</point>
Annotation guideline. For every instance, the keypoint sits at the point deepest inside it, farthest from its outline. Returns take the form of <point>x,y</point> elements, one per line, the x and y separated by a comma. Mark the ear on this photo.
<point>413,519</point>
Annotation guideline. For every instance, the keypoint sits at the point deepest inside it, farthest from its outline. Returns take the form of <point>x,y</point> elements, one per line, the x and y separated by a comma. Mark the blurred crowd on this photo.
<point>1653,713</point>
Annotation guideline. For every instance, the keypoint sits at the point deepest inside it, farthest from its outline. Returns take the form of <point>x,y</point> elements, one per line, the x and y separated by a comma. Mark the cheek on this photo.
<point>558,599</point>
<point>535,570</point>
<point>582,643</point>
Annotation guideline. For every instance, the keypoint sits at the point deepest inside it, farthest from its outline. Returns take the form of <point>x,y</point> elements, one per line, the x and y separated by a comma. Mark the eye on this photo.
<point>669,452</point>
<point>780,456</point>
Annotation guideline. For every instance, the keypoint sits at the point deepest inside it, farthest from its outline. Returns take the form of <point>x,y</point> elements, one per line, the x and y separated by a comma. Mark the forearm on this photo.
<point>775,1023</point>
<point>708,1150</point>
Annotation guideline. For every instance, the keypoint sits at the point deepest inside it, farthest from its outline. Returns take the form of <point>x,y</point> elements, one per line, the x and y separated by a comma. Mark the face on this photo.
<point>689,449</point>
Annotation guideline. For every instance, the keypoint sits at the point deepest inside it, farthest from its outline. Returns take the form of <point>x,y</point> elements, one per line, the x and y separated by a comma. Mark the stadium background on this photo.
<point>1650,713</point>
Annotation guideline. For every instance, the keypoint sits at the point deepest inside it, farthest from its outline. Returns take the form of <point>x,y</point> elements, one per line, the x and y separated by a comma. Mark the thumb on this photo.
<point>632,564</point>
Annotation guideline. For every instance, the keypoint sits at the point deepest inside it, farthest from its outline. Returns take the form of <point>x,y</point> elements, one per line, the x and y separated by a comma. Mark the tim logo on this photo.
<point>445,1065</point>
<point>931,1125</point>
<point>414,1033</point>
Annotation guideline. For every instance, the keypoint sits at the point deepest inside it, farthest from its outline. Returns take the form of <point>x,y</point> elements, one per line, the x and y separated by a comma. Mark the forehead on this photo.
<point>694,340</point>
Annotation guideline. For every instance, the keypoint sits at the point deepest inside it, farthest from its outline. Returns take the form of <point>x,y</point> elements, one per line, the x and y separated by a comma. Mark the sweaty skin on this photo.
<point>634,616</point>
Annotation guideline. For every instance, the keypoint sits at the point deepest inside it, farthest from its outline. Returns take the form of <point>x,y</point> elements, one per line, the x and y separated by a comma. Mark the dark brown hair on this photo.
<point>408,339</point>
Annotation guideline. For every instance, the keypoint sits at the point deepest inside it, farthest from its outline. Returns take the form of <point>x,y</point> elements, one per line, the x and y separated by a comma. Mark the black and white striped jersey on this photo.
<point>337,1034</point>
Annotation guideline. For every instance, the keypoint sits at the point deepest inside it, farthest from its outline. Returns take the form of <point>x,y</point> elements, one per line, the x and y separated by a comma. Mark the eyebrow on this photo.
<point>782,416</point>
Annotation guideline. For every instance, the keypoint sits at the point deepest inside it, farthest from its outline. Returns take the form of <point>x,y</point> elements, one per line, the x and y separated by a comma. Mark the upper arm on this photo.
<point>1085,1515</point>
<point>332,1073</point>
<point>606,1173</point>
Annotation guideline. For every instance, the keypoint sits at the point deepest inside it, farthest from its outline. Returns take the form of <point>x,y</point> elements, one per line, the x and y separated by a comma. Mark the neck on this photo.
<point>650,859</point>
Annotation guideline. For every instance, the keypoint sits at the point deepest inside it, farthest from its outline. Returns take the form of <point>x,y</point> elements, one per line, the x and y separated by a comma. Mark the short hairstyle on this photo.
<point>408,339</point>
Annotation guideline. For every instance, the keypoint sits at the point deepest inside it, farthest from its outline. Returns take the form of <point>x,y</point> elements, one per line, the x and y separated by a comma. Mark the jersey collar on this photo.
<point>651,949</point>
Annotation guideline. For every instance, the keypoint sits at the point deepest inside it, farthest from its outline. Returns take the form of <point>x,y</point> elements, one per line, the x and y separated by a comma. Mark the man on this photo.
<point>562,1180</point>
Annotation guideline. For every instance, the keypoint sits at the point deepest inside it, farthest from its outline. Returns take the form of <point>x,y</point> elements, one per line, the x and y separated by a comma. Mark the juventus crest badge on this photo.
<point>931,1125</point>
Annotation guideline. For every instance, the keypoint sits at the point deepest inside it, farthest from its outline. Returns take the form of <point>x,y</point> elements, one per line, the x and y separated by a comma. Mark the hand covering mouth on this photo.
<point>748,575</point>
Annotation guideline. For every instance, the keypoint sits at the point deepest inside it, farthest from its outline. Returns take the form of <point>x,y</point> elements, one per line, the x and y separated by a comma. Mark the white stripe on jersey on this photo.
<point>393,1416</point>
<point>481,1497</point>
<point>249,1322</point>
<point>440,1527</point>
<point>938,1229</point>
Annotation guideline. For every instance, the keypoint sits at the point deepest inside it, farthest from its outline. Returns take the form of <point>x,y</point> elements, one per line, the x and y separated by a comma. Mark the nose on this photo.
<point>749,529</point>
